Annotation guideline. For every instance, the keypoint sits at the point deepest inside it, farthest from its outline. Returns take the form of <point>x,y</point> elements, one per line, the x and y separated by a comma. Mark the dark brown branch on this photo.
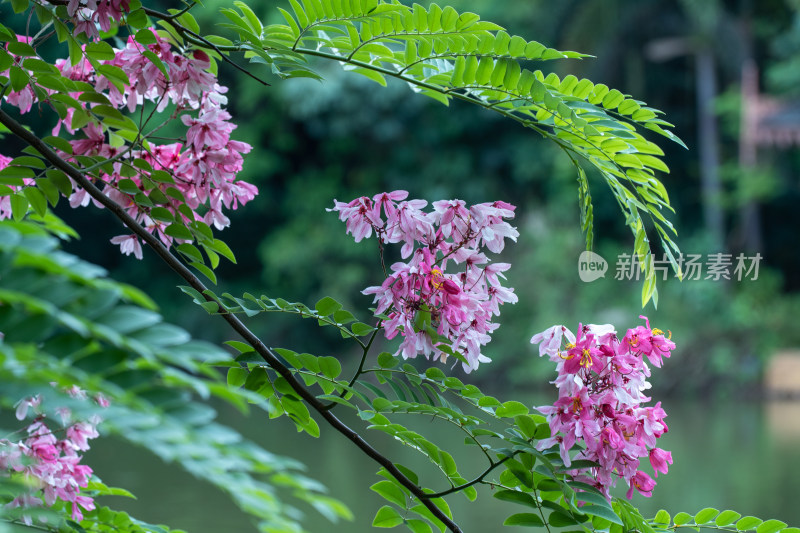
<point>17,129</point>
<point>475,481</point>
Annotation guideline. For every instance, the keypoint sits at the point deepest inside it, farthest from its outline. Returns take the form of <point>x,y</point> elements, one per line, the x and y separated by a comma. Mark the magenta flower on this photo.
<point>601,383</point>
<point>129,244</point>
<point>435,311</point>
<point>659,459</point>
<point>650,343</point>
<point>643,483</point>
<point>549,340</point>
<point>26,403</point>
<point>203,166</point>
<point>48,465</point>
<point>358,217</point>
<point>583,354</point>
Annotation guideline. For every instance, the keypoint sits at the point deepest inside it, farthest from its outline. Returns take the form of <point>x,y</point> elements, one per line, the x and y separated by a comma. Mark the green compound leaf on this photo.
<point>236,376</point>
<point>446,55</point>
<point>705,516</point>
<point>522,498</point>
<point>330,366</point>
<point>391,492</point>
<point>727,518</point>
<point>90,330</point>
<point>683,518</point>
<point>747,523</point>
<point>327,306</point>
<point>360,329</point>
<point>418,526</point>
<point>662,517</point>
<point>387,360</point>
<point>524,519</point>
<point>603,510</point>
<point>387,517</point>
<point>511,409</point>
<point>771,526</point>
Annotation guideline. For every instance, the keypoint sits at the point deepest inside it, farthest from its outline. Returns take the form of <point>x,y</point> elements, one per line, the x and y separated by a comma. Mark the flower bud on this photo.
<point>199,54</point>
<point>450,287</point>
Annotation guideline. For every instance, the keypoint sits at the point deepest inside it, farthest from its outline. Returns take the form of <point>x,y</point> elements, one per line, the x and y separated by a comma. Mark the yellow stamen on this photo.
<point>576,404</point>
<point>569,346</point>
<point>657,331</point>
<point>437,279</point>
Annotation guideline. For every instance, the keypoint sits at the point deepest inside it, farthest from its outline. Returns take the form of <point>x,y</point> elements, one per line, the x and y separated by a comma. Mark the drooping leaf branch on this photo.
<point>446,55</point>
<point>236,324</point>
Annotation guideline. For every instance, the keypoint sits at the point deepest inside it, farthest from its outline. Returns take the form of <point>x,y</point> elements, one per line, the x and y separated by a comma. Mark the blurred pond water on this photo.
<point>741,456</point>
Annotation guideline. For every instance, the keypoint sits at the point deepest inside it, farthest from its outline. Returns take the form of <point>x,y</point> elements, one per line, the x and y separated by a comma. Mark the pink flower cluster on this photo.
<point>5,201</point>
<point>437,313</point>
<point>87,15</point>
<point>600,384</point>
<point>51,465</point>
<point>202,169</point>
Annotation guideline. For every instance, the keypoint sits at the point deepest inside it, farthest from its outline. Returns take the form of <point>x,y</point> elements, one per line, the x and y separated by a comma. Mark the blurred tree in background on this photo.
<point>344,139</point>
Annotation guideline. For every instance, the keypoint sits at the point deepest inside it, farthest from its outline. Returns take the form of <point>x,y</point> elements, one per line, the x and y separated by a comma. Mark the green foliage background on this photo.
<point>340,139</point>
<point>315,142</point>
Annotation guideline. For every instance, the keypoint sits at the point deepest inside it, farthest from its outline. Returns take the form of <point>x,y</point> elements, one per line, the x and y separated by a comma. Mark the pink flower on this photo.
<point>204,171</point>
<point>643,483</point>
<point>79,434</point>
<point>651,343</point>
<point>210,129</point>
<point>659,459</point>
<point>25,403</point>
<point>583,354</point>
<point>76,392</point>
<point>83,501</point>
<point>50,467</point>
<point>549,340</point>
<point>358,216</point>
<point>128,244</point>
<point>600,395</point>
<point>102,400</point>
<point>420,296</point>
<point>88,14</point>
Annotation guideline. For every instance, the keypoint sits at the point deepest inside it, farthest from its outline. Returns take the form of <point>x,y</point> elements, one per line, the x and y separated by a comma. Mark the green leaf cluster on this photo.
<point>710,518</point>
<point>445,55</point>
<point>65,323</point>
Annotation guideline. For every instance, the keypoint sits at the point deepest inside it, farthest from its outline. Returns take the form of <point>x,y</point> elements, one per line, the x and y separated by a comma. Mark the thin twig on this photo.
<point>475,481</point>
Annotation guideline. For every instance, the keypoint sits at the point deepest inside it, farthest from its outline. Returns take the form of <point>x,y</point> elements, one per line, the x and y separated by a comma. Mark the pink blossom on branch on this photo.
<point>47,457</point>
<point>203,169</point>
<point>601,383</point>
<point>5,201</point>
<point>437,313</point>
<point>89,15</point>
